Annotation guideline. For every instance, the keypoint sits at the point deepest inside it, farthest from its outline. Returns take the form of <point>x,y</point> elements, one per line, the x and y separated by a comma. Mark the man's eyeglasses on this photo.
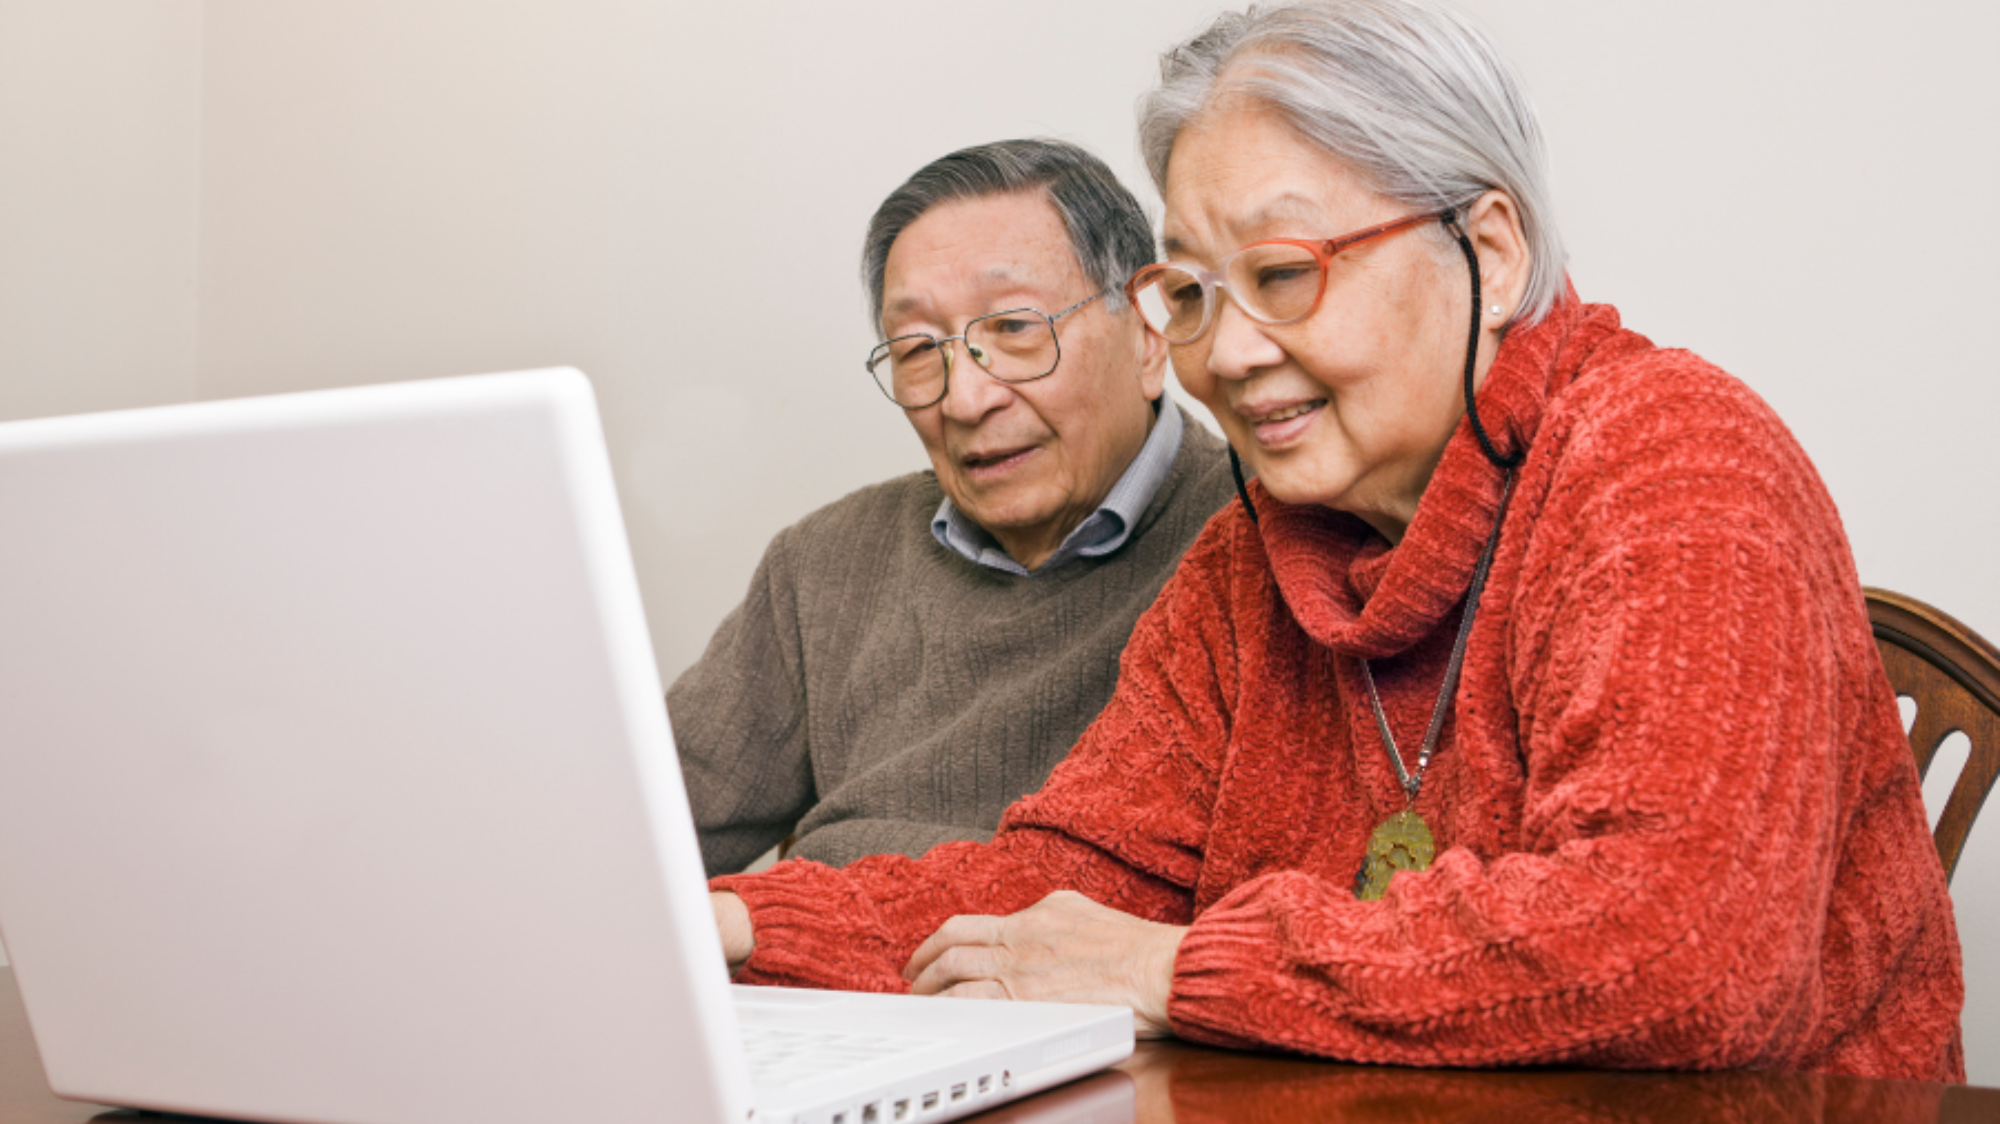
<point>1279,281</point>
<point>1018,345</point>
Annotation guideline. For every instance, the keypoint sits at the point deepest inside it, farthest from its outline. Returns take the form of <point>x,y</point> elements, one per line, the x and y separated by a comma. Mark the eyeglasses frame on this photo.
<point>1323,252</point>
<point>945,352</point>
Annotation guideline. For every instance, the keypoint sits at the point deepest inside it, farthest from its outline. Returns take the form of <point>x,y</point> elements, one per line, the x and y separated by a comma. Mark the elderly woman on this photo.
<point>1541,726</point>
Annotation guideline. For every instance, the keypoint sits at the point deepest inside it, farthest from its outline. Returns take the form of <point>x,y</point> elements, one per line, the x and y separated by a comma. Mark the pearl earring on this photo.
<point>1492,310</point>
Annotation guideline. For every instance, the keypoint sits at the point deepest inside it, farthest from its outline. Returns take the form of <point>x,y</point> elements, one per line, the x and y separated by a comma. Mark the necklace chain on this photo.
<point>1413,783</point>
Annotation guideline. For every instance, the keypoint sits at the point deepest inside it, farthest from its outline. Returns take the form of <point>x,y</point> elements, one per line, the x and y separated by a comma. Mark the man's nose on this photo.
<point>970,393</point>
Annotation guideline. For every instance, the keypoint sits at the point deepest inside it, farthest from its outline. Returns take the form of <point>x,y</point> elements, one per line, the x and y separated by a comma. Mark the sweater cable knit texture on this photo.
<point>1678,823</point>
<point>877,693</point>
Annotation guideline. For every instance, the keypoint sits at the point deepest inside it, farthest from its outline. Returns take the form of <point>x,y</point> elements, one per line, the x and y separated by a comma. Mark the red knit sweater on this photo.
<point>1678,824</point>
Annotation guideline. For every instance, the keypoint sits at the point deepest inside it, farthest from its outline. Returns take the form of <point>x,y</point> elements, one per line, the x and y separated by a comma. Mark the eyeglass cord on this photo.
<point>1472,351</point>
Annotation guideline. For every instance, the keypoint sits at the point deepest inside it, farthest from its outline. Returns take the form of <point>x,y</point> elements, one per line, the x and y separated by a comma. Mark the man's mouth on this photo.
<point>986,463</point>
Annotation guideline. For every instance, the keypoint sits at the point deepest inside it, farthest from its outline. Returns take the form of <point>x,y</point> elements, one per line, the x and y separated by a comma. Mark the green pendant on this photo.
<point>1401,842</point>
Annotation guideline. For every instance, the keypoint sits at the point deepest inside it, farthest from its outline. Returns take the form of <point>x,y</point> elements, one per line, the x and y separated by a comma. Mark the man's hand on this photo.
<point>732,921</point>
<point>1064,948</point>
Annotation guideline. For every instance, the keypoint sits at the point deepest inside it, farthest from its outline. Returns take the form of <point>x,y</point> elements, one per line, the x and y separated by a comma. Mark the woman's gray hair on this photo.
<point>1106,225</point>
<point>1407,94</point>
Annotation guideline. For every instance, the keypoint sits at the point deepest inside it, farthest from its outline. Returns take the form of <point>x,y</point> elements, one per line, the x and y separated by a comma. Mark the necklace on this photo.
<point>1404,841</point>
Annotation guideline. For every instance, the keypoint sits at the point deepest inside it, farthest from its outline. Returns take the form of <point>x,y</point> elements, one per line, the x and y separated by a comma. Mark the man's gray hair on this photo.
<point>1106,225</point>
<point>1407,94</point>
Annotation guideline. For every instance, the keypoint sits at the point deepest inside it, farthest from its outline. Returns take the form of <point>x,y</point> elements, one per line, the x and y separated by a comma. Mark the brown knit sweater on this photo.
<point>1678,823</point>
<point>882,694</point>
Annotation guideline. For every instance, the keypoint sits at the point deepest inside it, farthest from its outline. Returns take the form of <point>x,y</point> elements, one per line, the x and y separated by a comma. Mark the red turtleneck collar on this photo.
<point>1354,592</point>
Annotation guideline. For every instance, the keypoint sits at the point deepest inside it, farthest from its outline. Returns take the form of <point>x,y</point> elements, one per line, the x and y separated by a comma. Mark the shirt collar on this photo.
<point>1103,532</point>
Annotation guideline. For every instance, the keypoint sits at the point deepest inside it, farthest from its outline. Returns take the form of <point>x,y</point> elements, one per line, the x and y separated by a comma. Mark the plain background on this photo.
<point>235,197</point>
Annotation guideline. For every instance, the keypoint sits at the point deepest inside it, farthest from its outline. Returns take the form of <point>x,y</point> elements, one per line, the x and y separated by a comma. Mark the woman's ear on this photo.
<point>1493,223</point>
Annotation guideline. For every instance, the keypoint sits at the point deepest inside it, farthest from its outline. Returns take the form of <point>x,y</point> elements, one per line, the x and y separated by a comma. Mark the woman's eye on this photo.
<point>1279,275</point>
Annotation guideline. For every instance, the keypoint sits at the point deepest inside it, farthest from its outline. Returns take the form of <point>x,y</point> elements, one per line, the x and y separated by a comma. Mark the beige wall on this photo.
<point>670,196</point>
<point>100,114</point>
<point>100,118</point>
<point>647,191</point>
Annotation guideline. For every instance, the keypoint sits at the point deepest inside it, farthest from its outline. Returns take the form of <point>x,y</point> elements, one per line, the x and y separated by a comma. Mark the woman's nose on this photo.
<point>1238,345</point>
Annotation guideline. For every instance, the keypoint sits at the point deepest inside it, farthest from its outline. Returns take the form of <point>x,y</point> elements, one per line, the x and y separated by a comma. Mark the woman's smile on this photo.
<point>1279,425</point>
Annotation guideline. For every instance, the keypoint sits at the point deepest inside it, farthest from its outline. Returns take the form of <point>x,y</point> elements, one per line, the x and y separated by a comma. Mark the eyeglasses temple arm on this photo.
<point>1335,245</point>
<point>1105,291</point>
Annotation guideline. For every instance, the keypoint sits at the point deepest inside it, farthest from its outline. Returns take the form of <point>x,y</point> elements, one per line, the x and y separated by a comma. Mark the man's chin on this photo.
<point>1002,521</point>
<point>1008,518</point>
<point>1005,499</point>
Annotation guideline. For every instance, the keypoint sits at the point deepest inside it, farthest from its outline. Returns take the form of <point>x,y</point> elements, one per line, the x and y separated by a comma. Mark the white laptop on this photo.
<point>336,787</point>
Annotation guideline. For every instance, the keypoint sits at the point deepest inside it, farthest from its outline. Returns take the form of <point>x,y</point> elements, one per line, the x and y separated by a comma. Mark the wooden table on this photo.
<point>1172,1082</point>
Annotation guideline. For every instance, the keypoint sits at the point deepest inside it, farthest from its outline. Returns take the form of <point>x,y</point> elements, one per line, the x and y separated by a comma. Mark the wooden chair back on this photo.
<point>1953,674</point>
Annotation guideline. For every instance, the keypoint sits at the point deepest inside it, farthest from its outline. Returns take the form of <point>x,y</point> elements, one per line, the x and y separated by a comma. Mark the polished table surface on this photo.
<point>1166,1082</point>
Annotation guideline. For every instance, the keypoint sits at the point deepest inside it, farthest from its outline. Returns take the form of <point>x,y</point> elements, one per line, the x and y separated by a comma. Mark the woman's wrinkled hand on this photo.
<point>1064,949</point>
<point>732,923</point>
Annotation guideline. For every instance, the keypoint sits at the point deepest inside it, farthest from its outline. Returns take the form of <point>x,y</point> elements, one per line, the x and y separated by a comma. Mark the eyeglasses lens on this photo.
<point>1017,346</point>
<point>910,370</point>
<point>1172,304</point>
<point>1013,346</point>
<point>1273,283</point>
<point>1277,282</point>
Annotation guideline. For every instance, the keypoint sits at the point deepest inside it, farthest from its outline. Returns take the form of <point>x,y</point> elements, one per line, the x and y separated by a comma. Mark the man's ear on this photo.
<point>1152,357</point>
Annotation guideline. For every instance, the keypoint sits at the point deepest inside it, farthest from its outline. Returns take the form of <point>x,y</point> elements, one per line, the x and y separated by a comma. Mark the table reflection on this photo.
<point>1192,1085</point>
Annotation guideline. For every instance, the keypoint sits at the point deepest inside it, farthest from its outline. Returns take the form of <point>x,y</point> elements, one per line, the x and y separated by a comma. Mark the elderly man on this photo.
<point>914,657</point>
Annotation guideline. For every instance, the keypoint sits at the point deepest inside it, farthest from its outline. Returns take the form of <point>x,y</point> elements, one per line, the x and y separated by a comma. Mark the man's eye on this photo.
<point>1009,326</point>
<point>908,349</point>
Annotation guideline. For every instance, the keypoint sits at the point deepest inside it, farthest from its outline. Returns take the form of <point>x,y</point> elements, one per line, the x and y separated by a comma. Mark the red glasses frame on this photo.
<point>1211,281</point>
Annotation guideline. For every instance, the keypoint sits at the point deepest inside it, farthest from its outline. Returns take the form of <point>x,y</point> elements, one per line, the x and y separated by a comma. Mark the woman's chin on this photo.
<point>1297,495</point>
<point>1287,484</point>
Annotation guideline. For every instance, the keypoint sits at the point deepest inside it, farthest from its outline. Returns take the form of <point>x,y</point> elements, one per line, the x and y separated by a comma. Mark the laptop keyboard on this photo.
<point>782,1058</point>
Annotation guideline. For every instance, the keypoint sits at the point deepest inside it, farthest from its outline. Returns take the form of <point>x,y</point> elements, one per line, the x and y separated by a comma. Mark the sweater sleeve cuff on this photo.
<point>812,928</point>
<point>1224,980</point>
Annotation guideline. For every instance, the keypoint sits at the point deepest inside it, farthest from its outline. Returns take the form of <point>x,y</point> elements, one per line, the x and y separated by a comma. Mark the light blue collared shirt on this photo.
<point>1104,531</point>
